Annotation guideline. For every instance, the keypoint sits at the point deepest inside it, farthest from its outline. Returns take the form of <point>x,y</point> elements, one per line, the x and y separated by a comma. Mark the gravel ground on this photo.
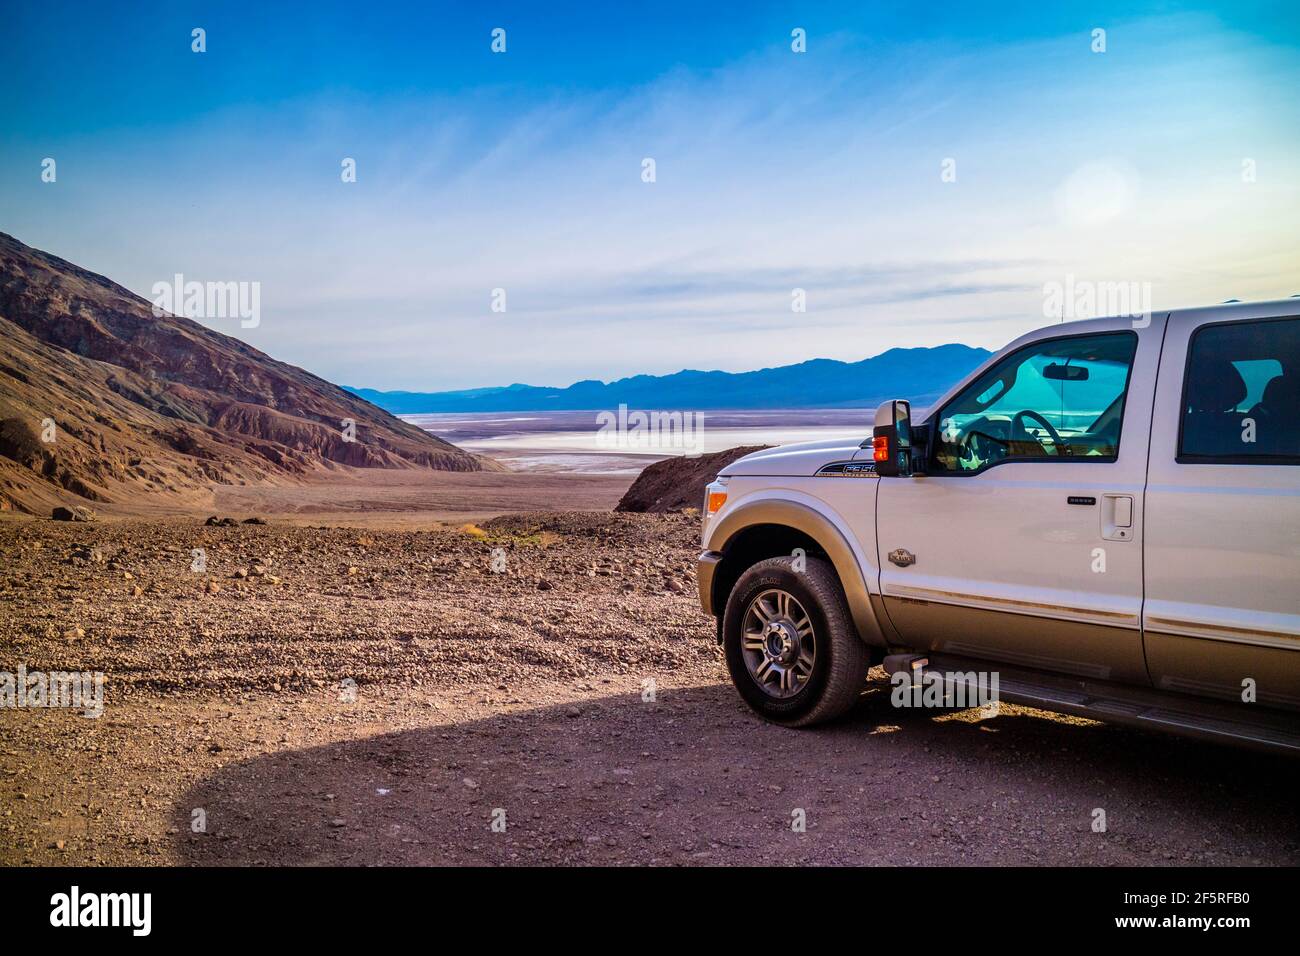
<point>320,696</point>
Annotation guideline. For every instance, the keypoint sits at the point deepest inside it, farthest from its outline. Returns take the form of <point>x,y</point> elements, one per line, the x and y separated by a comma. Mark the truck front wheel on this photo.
<point>790,644</point>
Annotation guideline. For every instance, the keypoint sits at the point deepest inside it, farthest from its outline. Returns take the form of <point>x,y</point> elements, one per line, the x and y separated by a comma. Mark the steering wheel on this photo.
<point>1018,428</point>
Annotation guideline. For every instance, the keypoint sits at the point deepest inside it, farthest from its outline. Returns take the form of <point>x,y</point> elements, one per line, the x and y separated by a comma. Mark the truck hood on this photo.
<point>803,458</point>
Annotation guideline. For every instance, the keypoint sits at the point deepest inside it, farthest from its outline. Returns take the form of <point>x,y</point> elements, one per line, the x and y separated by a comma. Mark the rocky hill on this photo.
<point>676,484</point>
<point>101,401</point>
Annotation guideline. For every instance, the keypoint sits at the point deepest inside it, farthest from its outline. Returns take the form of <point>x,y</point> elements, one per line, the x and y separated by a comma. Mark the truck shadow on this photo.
<point>695,778</point>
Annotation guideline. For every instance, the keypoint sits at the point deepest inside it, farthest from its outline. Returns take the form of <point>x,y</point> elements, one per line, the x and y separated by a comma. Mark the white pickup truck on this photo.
<point>1105,514</point>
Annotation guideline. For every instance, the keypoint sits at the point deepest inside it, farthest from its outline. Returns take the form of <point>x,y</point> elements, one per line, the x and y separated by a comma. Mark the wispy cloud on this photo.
<point>775,171</point>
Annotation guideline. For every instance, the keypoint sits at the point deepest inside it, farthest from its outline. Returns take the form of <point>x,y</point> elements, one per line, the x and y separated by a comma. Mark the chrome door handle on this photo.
<point>1117,517</point>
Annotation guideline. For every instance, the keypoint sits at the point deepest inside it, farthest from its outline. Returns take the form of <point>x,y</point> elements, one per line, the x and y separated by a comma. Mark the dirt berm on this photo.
<point>676,484</point>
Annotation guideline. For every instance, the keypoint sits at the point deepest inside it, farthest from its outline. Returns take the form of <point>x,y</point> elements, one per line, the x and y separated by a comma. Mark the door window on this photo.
<point>1050,401</point>
<point>1241,394</point>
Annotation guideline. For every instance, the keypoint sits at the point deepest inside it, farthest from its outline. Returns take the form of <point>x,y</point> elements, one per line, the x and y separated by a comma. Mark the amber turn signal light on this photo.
<point>716,500</point>
<point>880,449</point>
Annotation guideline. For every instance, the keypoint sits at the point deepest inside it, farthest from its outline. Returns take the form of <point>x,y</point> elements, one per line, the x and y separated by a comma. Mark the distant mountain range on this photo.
<point>919,374</point>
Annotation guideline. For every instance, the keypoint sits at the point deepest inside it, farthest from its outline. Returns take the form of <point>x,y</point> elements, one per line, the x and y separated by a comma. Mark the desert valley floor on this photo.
<point>379,675</point>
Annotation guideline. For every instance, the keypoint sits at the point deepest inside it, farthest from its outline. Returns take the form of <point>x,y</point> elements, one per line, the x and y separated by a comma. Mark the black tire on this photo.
<point>841,662</point>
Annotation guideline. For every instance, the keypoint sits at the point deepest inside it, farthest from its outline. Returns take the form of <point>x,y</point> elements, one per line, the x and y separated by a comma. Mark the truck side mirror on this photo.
<point>891,439</point>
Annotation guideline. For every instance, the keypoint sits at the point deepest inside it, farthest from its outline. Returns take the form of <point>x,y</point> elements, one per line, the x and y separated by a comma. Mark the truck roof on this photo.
<point>1238,310</point>
<point>1224,310</point>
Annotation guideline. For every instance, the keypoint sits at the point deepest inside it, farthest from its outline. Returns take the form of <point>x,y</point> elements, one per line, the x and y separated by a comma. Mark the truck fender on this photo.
<point>863,605</point>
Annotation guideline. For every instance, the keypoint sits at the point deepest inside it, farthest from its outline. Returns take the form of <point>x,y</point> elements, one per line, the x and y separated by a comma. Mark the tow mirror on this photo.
<point>891,439</point>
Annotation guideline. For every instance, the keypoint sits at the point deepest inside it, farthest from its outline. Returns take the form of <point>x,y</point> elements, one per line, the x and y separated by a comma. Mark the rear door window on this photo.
<point>1241,394</point>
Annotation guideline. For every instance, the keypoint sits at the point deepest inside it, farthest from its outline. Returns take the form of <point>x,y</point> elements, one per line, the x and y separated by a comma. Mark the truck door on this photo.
<point>1022,542</point>
<point>1222,614</point>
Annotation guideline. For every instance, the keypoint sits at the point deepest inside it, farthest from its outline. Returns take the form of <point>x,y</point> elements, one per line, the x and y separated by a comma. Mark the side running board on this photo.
<point>1243,725</point>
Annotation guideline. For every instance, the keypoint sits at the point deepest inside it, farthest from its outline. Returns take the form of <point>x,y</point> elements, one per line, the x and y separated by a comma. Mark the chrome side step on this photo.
<point>1242,725</point>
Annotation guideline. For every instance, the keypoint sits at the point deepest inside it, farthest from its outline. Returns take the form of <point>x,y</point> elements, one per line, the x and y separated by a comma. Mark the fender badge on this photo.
<point>902,557</point>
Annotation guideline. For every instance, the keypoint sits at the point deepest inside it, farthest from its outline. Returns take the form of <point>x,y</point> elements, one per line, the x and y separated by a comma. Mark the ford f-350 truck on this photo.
<point>1105,514</point>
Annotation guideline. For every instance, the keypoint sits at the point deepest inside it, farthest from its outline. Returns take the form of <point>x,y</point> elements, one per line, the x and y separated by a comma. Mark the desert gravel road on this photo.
<point>339,696</point>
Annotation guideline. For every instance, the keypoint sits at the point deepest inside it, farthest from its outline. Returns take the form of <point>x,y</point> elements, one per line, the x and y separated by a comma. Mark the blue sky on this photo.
<point>774,171</point>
